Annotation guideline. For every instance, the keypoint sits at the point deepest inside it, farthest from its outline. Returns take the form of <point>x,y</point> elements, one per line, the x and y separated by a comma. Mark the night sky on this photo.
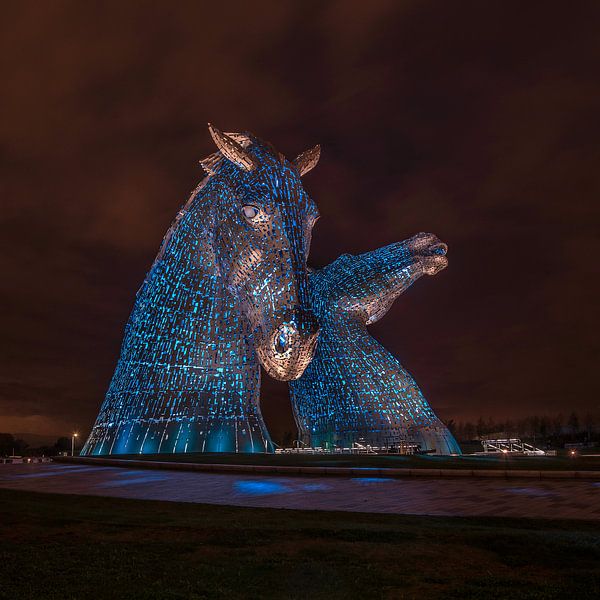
<point>477,121</point>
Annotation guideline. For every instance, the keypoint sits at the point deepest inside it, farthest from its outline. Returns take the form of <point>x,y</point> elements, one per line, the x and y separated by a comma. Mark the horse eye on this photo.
<point>250,211</point>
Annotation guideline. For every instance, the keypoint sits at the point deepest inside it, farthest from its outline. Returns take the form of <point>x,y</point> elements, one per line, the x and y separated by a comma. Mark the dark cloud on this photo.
<point>477,121</point>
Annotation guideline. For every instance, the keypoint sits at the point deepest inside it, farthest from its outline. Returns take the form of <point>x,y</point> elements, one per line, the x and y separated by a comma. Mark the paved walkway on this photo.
<point>558,499</point>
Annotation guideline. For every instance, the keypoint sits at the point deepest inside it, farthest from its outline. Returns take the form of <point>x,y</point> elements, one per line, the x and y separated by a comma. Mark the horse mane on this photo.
<point>211,165</point>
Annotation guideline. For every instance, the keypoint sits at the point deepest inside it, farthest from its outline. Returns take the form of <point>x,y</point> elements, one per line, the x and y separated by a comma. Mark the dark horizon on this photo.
<point>477,122</point>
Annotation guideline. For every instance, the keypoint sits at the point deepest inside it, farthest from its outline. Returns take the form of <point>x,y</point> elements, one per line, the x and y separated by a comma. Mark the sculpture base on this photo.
<point>431,440</point>
<point>176,437</point>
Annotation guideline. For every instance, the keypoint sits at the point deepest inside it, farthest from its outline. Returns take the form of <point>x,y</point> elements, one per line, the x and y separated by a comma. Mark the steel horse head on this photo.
<point>262,230</point>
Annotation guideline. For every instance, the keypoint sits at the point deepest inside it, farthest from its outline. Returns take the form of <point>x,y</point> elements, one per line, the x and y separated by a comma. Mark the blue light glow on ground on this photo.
<point>261,488</point>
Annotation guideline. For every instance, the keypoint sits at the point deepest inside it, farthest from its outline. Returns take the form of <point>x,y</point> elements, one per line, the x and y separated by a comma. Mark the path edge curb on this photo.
<point>329,471</point>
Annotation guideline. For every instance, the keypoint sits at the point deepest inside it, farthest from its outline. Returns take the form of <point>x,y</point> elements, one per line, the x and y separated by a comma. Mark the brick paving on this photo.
<point>555,499</point>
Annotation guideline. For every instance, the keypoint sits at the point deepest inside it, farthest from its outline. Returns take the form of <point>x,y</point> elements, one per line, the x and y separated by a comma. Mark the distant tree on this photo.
<point>544,426</point>
<point>573,424</point>
<point>480,427</point>
<point>7,443</point>
<point>557,425</point>
<point>510,428</point>
<point>451,425</point>
<point>523,427</point>
<point>62,444</point>
<point>20,447</point>
<point>42,451</point>
<point>588,423</point>
<point>470,431</point>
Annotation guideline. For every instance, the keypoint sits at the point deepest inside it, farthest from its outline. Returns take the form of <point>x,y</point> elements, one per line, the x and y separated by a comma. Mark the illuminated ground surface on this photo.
<point>474,497</point>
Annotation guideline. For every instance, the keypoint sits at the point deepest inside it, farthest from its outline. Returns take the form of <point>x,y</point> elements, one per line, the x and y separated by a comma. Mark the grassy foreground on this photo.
<point>538,463</point>
<point>55,546</point>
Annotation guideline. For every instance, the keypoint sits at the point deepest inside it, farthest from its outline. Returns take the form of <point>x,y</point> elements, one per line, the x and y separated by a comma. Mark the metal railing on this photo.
<point>510,446</point>
<point>356,448</point>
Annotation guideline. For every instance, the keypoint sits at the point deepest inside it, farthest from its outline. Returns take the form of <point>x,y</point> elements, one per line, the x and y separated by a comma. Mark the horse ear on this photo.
<point>308,160</point>
<point>232,150</point>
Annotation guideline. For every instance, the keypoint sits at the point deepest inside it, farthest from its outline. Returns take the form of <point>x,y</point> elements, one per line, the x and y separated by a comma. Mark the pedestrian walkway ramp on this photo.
<point>510,446</point>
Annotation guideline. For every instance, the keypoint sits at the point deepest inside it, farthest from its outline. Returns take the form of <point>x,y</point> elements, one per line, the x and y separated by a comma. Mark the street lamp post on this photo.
<point>73,443</point>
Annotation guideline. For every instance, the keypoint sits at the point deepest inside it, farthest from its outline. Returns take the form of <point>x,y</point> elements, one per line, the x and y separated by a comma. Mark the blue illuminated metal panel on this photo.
<point>354,390</point>
<point>228,291</point>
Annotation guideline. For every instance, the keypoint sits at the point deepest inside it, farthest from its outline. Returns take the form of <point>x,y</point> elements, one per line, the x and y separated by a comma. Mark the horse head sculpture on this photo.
<point>354,391</point>
<point>262,234</point>
<point>369,284</point>
<point>228,290</point>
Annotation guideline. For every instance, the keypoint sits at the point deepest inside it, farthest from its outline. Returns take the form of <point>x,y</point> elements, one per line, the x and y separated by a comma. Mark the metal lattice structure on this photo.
<point>509,446</point>
<point>227,291</point>
<point>354,391</point>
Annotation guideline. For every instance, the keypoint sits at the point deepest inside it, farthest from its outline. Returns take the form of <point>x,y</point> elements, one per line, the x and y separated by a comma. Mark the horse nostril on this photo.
<point>284,337</point>
<point>281,343</point>
<point>440,249</point>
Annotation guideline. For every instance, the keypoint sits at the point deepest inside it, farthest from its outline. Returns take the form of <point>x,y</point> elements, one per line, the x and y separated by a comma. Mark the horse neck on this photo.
<point>336,323</point>
<point>343,331</point>
<point>364,364</point>
<point>183,295</point>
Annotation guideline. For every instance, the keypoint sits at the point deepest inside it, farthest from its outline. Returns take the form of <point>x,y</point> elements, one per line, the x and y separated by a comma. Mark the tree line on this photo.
<point>10,445</point>
<point>553,430</point>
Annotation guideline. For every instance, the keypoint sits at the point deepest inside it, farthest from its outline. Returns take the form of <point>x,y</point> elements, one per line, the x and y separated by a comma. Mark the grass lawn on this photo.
<point>537,463</point>
<point>54,546</point>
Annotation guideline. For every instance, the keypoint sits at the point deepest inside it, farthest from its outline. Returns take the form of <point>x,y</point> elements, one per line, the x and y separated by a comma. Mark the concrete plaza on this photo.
<point>555,499</point>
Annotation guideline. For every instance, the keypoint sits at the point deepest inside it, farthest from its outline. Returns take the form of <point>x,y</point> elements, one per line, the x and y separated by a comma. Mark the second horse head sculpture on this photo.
<point>355,391</point>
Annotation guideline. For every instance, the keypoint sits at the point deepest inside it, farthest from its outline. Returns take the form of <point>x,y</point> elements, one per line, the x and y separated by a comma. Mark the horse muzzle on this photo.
<point>429,251</point>
<point>287,348</point>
